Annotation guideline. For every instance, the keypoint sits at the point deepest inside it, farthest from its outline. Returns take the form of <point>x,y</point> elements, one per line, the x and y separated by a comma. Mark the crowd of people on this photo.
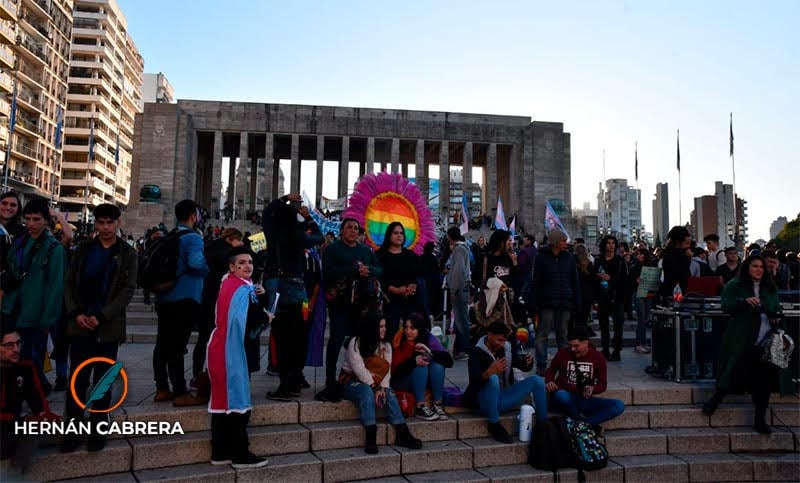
<point>382,310</point>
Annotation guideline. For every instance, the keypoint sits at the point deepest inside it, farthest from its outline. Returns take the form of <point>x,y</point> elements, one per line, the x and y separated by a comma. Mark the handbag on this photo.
<point>777,349</point>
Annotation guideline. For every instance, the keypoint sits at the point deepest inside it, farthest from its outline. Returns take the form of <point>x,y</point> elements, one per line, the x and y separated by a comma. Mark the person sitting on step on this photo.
<point>576,374</point>
<point>418,363</point>
<point>491,380</point>
<point>365,376</point>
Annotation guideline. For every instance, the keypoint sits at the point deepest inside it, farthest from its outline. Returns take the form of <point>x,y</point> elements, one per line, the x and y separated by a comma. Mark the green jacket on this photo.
<point>112,317</point>
<point>37,301</point>
<point>742,330</point>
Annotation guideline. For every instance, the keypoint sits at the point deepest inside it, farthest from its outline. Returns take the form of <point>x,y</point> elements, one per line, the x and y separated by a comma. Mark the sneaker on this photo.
<point>187,399</point>
<point>439,410</point>
<point>304,384</point>
<point>61,384</point>
<point>461,356</point>
<point>271,371</point>
<point>426,414</point>
<point>162,395</point>
<point>280,394</point>
<point>219,460</point>
<point>249,460</point>
<point>640,349</point>
<point>499,433</point>
<point>615,357</point>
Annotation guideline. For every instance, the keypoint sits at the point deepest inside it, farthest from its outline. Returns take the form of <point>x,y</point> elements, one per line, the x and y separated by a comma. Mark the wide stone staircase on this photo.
<point>661,436</point>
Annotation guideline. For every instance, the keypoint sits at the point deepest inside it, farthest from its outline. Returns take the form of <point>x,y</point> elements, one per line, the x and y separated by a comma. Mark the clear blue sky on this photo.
<point>613,72</point>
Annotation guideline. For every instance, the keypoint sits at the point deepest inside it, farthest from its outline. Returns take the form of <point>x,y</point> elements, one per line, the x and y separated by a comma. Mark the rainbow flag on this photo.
<point>500,217</point>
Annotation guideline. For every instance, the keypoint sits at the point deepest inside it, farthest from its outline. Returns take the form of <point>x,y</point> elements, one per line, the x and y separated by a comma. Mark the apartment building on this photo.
<point>105,80</point>
<point>34,62</point>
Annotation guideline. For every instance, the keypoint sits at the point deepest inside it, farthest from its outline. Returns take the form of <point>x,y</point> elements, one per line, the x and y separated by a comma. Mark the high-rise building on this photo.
<point>619,210</point>
<point>156,88</point>
<point>105,81</point>
<point>587,226</point>
<point>777,226</point>
<point>715,214</point>
<point>34,56</point>
<point>661,213</point>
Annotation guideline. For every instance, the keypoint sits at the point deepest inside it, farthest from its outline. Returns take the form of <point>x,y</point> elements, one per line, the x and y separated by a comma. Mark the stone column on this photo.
<point>444,180</point>
<point>421,174</point>
<point>294,185</point>
<point>320,164</point>
<point>395,155</point>
<point>344,168</point>
<point>515,184</point>
<point>253,191</point>
<point>370,155</point>
<point>491,180</point>
<point>269,169</point>
<point>466,173</point>
<point>240,176</point>
<point>216,174</point>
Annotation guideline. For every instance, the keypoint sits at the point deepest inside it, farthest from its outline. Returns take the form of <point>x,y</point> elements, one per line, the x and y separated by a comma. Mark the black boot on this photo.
<point>710,407</point>
<point>404,438</point>
<point>760,420</point>
<point>371,447</point>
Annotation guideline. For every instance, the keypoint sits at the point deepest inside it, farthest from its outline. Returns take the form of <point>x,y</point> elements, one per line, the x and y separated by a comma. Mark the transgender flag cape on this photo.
<point>225,356</point>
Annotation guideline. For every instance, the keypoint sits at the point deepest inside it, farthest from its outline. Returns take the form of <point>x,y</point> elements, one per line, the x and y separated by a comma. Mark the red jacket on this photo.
<point>563,372</point>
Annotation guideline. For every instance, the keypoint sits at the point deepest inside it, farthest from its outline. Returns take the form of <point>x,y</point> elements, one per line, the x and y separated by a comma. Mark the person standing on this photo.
<point>525,262</point>
<point>178,309</point>
<point>612,273</point>
<point>458,282</point>
<point>345,263</point>
<point>715,254</point>
<point>588,279</point>
<point>751,299</point>
<point>558,293</point>
<point>730,269</point>
<point>400,272</point>
<point>36,267</point>
<point>99,286</point>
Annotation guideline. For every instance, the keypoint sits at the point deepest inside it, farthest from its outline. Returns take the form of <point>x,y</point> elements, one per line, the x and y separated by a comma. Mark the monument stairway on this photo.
<point>661,436</point>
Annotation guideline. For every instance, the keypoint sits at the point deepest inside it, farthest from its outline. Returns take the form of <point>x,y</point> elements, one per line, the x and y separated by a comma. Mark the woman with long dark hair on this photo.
<point>418,363</point>
<point>752,301</point>
<point>366,374</point>
<point>588,278</point>
<point>500,260</point>
<point>400,271</point>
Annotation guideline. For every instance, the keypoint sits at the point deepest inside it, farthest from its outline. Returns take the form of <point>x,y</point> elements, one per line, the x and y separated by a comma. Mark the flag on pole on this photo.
<point>513,226</point>
<point>464,228</point>
<point>552,221</point>
<point>636,157</point>
<point>12,120</point>
<point>731,138</point>
<point>679,150</point>
<point>91,141</point>
<point>59,126</point>
<point>500,217</point>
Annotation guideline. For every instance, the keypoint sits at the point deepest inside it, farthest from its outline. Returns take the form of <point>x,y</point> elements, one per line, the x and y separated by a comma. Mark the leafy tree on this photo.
<point>789,237</point>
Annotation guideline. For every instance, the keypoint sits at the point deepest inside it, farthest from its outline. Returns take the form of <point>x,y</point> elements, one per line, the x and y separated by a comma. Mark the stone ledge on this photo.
<point>435,456</point>
<point>198,473</point>
<point>303,467</point>
<point>466,476</point>
<point>747,439</point>
<point>628,442</point>
<point>518,474</point>
<point>717,467</point>
<point>696,440</point>
<point>488,452</point>
<point>643,468</point>
<point>352,463</point>
<point>775,467</point>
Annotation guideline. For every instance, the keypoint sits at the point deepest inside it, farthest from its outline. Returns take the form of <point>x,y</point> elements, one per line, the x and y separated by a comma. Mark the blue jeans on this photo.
<point>551,319</point>
<point>593,410</point>
<point>341,327</point>
<point>492,401</point>
<point>642,307</point>
<point>421,378</point>
<point>33,349</point>
<point>461,320</point>
<point>364,397</point>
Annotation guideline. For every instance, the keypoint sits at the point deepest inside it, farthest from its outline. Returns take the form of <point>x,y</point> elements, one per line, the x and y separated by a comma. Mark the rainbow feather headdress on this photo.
<point>379,199</point>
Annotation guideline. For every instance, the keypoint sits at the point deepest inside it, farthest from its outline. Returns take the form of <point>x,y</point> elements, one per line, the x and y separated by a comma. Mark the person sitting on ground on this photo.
<point>418,363</point>
<point>492,389</point>
<point>366,375</point>
<point>575,376</point>
<point>19,382</point>
<point>228,372</point>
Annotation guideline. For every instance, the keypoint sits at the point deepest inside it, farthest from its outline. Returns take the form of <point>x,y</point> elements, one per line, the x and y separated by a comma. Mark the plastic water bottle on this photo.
<point>603,283</point>
<point>677,295</point>
<point>525,418</point>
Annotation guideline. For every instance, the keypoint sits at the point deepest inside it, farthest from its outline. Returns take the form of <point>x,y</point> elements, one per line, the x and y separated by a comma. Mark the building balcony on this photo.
<point>5,108</point>
<point>30,75</point>
<point>8,10</point>
<point>7,33</point>
<point>6,83</point>
<point>33,50</point>
<point>22,177</point>
<point>37,7</point>
<point>6,57</point>
<point>25,151</point>
<point>38,27</point>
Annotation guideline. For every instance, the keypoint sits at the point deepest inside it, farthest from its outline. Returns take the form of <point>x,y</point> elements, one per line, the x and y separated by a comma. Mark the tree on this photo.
<point>789,237</point>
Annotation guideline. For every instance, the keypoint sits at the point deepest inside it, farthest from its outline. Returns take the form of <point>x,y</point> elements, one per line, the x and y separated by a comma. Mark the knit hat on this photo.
<point>555,236</point>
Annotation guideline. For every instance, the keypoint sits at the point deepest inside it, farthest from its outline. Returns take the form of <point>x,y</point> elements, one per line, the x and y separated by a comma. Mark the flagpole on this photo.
<point>733,170</point>
<point>680,196</point>
<point>11,123</point>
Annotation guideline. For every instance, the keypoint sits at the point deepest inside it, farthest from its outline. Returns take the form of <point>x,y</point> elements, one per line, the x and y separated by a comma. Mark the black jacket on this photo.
<point>480,359</point>
<point>556,281</point>
<point>617,268</point>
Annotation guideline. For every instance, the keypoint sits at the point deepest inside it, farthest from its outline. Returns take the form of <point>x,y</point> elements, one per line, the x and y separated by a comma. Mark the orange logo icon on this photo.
<point>102,386</point>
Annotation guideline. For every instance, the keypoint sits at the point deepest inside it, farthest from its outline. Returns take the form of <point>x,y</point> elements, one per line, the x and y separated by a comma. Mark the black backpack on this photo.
<point>158,267</point>
<point>564,442</point>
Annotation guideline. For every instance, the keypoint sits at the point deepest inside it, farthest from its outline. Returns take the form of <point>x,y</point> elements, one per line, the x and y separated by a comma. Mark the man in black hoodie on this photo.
<point>557,291</point>
<point>612,272</point>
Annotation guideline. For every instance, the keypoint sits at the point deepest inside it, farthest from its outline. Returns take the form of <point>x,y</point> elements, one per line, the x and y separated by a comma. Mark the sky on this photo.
<point>614,72</point>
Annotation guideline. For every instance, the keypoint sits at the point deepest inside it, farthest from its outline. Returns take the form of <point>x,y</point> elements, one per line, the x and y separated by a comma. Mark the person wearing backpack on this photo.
<point>576,375</point>
<point>35,284</point>
<point>492,389</point>
<point>178,308</point>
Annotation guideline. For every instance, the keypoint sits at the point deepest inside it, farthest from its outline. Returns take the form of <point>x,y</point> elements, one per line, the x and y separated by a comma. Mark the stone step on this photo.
<point>352,463</point>
<point>722,466</point>
<point>466,476</point>
<point>661,467</point>
<point>775,467</point>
